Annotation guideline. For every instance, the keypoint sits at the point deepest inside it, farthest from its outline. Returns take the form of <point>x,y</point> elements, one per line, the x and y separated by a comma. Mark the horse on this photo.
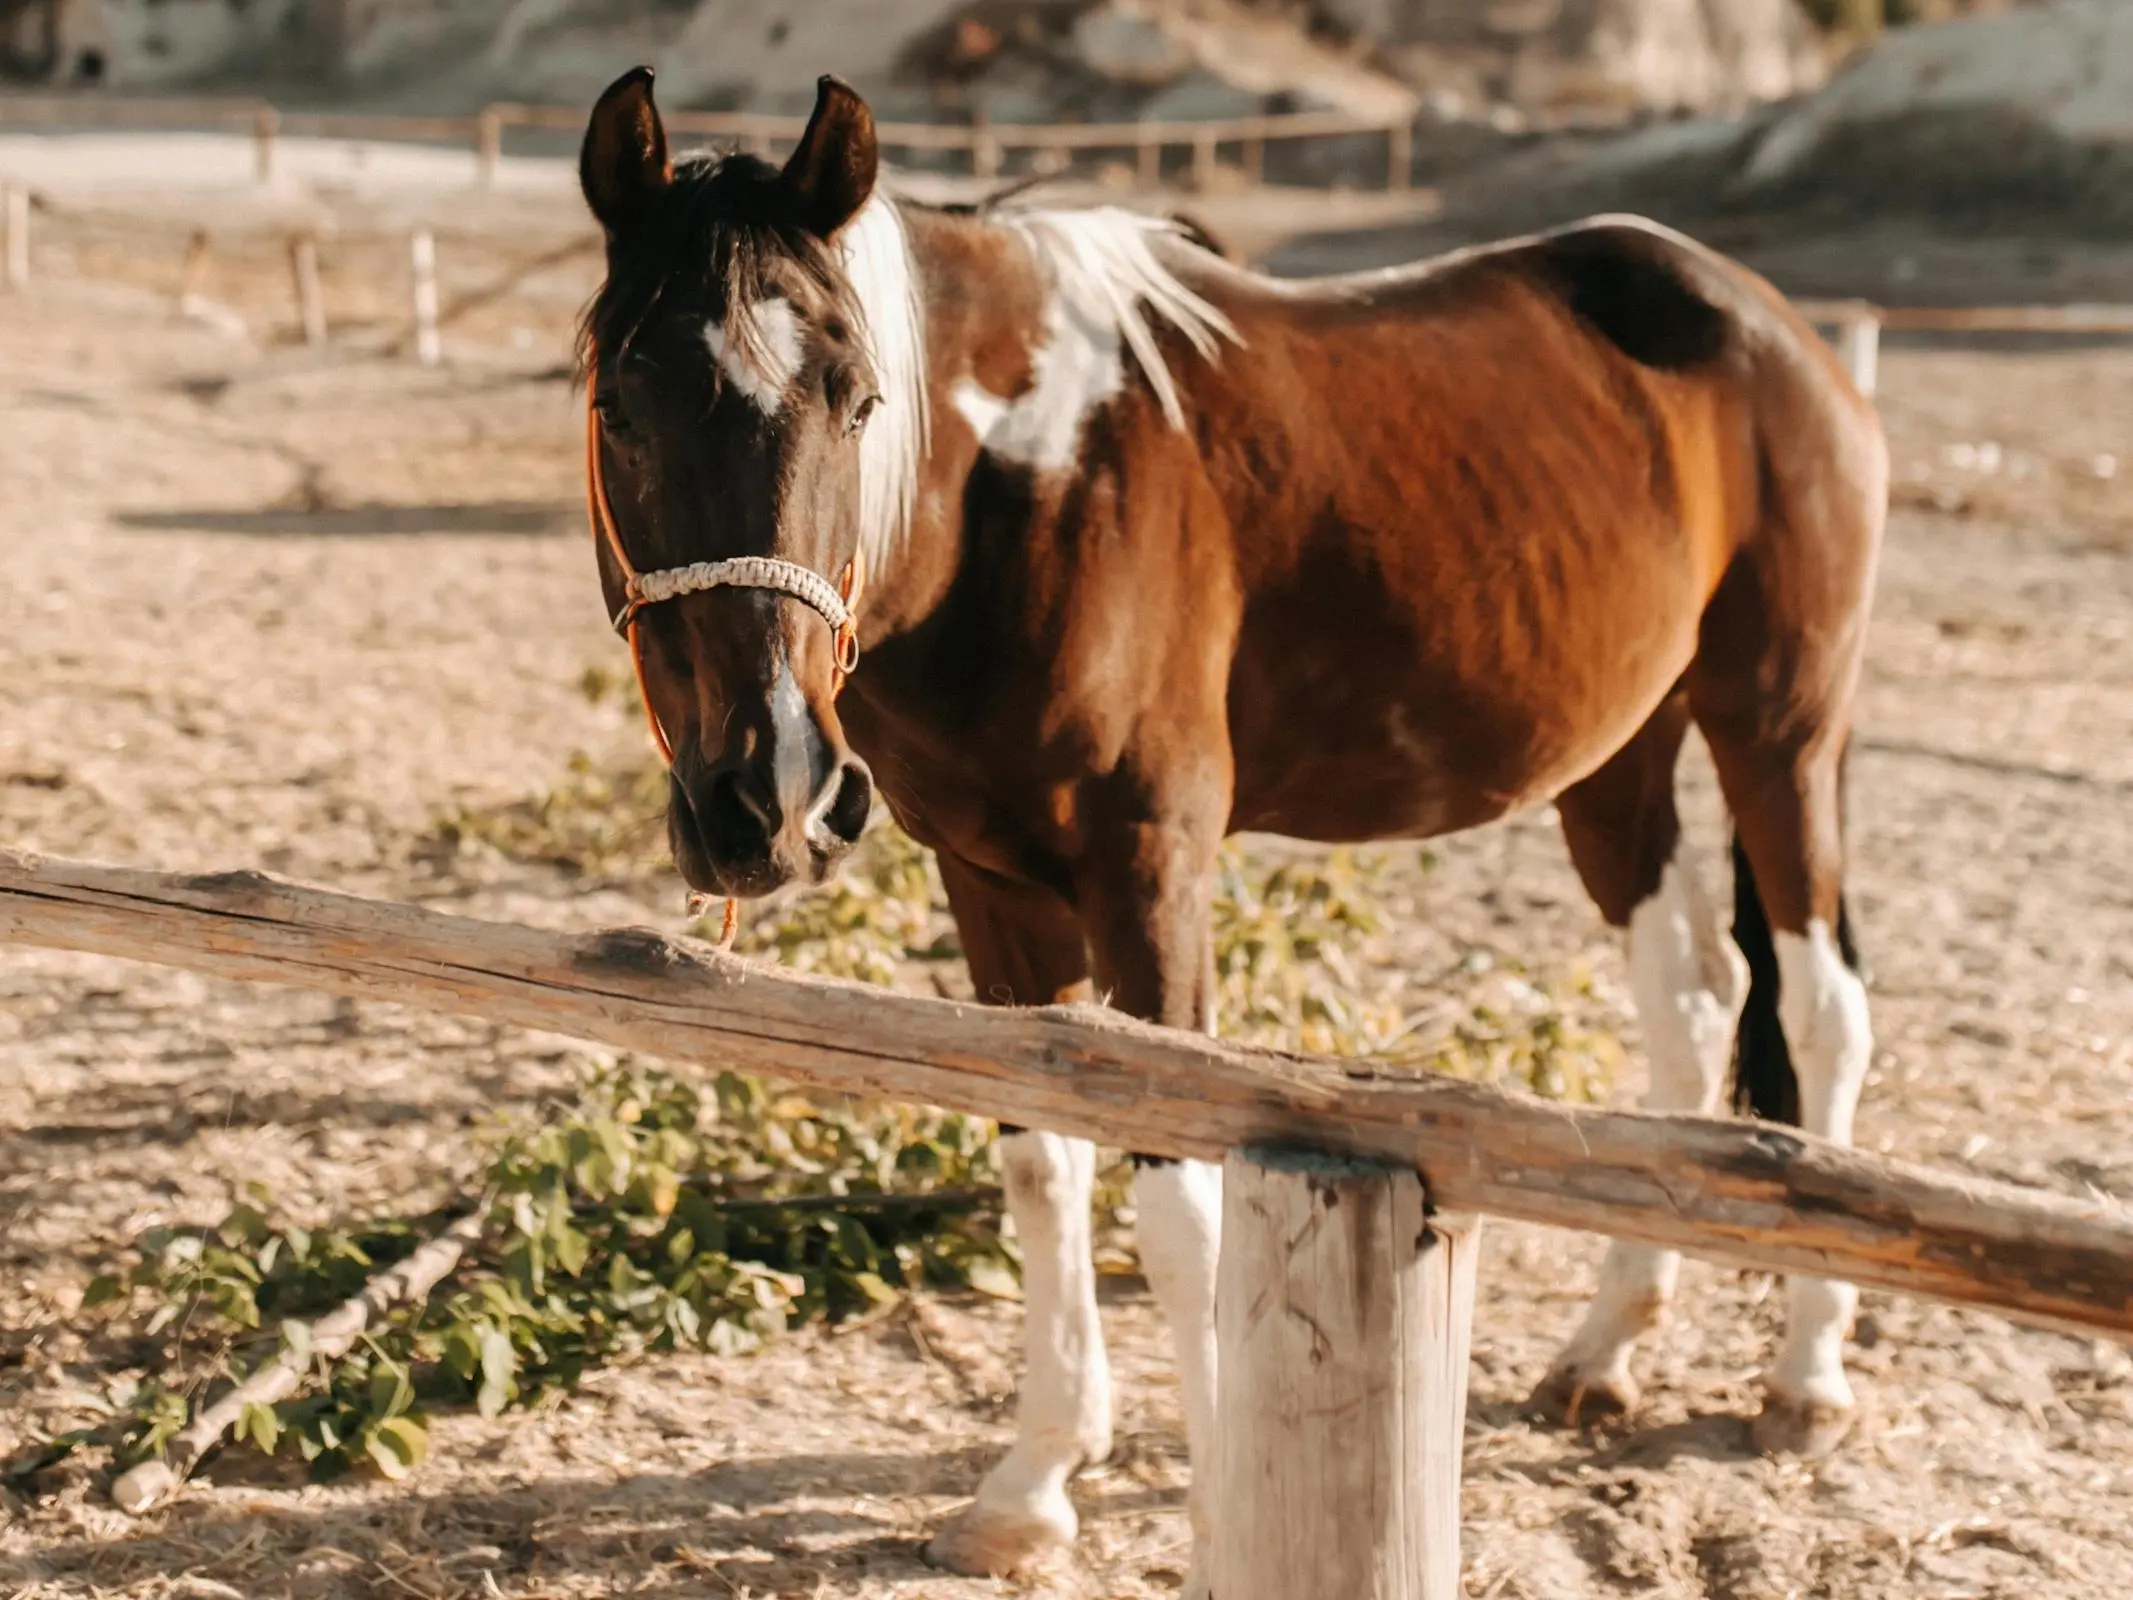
<point>1083,547</point>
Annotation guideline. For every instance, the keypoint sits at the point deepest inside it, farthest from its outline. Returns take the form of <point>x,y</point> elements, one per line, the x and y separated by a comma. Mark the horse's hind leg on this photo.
<point>1784,794</point>
<point>1688,982</point>
<point>1025,948</point>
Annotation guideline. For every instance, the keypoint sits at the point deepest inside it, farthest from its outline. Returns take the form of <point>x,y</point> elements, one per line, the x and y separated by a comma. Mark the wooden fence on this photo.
<point>985,145</point>
<point>1859,325</point>
<point>1404,1154</point>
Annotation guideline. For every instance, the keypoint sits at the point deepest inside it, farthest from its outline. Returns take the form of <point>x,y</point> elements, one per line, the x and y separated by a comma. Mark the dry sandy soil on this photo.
<point>271,607</point>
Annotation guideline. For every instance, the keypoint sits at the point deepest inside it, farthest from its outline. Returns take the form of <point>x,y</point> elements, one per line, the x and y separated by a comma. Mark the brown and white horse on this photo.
<point>1142,548</point>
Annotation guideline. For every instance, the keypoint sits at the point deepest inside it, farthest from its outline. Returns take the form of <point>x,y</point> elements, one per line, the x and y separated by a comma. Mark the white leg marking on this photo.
<point>1180,1206</point>
<point>1822,1006</point>
<point>1688,981</point>
<point>1063,1413</point>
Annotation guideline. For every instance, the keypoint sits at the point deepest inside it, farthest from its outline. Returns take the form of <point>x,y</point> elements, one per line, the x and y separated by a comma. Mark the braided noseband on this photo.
<point>741,572</point>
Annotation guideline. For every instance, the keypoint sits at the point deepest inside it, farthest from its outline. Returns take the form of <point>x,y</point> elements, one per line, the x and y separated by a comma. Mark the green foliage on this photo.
<point>594,823</point>
<point>879,911</point>
<point>648,1215</point>
<point>1285,940</point>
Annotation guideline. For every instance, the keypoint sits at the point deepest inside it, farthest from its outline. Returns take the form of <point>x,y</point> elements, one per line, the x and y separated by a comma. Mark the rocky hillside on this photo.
<point>1026,59</point>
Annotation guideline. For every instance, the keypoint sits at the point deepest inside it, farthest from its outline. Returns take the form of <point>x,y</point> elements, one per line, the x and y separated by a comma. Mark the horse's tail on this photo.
<point>1764,1084</point>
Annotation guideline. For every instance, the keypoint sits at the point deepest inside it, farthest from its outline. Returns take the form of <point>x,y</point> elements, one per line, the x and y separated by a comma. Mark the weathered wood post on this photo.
<point>984,149</point>
<point>310,302</point>
<point>17,209</point>
<point>1859,344</point>
<point>1400,155</point>
<point>1253,155</point>
<point>192,278</point>
<point>488,145</point>
<point>266,130</point>
<point>1148,158</point>
<point>1203,161</point>
<point>1343,1313</point>
<point>422,256</point>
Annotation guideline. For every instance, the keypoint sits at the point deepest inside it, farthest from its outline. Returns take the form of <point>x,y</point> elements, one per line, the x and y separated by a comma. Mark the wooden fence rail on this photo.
<point>982,141</point>
<point>1754,1195</point>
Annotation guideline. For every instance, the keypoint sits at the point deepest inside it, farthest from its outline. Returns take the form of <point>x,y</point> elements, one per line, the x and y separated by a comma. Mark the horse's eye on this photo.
<point>613,418</point>
<point>861,412</point>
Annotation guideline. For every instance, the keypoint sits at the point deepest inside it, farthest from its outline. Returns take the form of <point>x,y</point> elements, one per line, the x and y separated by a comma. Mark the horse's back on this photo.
<point>1526,471</point>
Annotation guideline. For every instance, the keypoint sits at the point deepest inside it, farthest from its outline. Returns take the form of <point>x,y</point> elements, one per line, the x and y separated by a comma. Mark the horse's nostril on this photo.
<point>845,817</point>
<point>738,817</point>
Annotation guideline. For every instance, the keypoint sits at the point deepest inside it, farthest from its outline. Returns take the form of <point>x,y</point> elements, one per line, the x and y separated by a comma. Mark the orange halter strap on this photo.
<point>837,606</point>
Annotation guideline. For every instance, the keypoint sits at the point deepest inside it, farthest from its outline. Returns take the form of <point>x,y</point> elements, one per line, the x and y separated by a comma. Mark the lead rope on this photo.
<point>849,589</point>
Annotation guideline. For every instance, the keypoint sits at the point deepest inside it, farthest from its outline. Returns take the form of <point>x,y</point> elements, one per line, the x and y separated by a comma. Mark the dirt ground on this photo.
<point>264,606</point>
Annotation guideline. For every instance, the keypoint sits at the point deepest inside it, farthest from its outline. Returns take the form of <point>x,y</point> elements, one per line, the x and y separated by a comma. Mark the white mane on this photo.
<point>1104,266</point>
<point>1109,292</point>
<point>877,262</point>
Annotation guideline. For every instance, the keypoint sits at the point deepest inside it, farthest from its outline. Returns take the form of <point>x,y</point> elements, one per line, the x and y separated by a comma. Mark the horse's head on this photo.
<point>733,379</point>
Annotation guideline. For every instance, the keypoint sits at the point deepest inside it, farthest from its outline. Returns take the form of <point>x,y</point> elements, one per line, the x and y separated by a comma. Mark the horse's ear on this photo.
<point>623,167</point>
<point>831,175</point>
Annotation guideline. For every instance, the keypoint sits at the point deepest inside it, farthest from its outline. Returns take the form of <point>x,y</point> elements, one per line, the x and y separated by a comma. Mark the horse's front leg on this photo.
<point>1025,947</point>
<point>1146,897</point>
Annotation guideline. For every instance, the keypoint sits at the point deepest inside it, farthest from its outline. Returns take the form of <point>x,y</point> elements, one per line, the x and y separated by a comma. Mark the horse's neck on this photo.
<point>966,270</point>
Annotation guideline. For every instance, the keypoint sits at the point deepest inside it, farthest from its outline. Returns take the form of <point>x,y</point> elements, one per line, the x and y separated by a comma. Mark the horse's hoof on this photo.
<point>990,1543</point>
<point>1572,1399</point>
<point>1789,1426</point>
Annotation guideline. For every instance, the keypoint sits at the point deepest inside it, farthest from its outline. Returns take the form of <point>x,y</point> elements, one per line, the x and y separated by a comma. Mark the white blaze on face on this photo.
<point>762,355</point>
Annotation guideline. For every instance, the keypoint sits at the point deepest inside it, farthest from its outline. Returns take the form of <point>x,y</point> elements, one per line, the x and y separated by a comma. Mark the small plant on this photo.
<point>593,824</point>
<point>646,1216</point>
<point>878,912</point>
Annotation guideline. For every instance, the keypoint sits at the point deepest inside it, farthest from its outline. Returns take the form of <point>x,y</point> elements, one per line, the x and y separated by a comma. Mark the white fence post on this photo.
<point>310,301</point>
<point>1859,344</point>
<point>488,145</point>
<point>17,209</point>
<point>266,134</point>
<point>1343,1316</point>
<point>422,255</point>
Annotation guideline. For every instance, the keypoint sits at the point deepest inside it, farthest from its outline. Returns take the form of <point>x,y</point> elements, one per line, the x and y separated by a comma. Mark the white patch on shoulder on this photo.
<point>1079,366</point>
<point>1109,289</point>
<point>762,355</point>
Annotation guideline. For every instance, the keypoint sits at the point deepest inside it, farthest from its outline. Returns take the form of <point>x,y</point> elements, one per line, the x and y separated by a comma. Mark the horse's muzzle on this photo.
<point>735,834</point>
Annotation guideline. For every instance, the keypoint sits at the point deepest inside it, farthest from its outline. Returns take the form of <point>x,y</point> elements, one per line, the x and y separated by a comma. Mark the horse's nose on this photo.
<point>738,811</point>
<point>840,811</point>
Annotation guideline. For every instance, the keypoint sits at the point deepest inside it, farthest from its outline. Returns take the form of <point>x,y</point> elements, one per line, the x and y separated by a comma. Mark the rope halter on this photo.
<point>836,604</point>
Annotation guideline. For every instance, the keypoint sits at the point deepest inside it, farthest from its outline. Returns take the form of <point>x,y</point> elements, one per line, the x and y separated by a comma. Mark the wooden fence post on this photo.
<point>1148,159</point>
<point>18,236</point>
<point>266,130</point>
<point>984,149</point>
<point>488,145</point>
<point>1859,344</point>
<point>1400,156</point>
<point>1343,1313</point>
<point>1203,162</point>
<point>310,302</point>
<point>422,256</point>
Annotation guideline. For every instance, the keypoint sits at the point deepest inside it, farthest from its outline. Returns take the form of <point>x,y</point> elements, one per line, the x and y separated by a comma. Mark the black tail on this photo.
<point>1763,1081</point>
